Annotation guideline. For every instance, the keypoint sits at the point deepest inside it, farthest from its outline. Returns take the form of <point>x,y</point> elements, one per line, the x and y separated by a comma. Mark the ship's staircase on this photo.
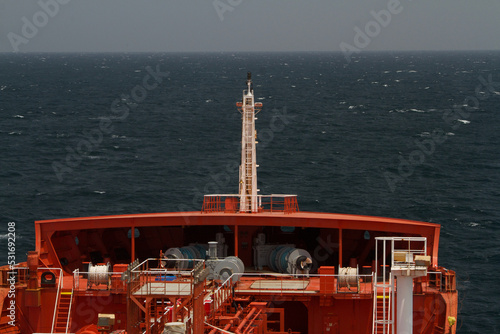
<point>246,320</point>
<point>407,259</point>
<point>230,314</point>
<point>63,312</point>
<point>222,295</point>
<point>383,294</point>
<point>61,321</point>
<point>383,313</point>
<point>248,161</point>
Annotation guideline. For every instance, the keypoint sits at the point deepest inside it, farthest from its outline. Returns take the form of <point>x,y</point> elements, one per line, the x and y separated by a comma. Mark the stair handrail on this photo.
<point>220,295</point>
<point>69,309</point>
<point>58,296</point>
<point>374,315</point>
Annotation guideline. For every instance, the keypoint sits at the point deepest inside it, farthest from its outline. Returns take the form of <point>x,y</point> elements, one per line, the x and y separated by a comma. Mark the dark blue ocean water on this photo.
<point>408,135</point>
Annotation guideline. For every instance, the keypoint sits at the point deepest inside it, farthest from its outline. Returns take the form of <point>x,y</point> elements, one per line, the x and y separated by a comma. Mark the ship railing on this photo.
<point>405,250</point>
<point>21,274</point>
<point>230,203</point>
<point>383,310</point>
<point>68,320</point>
<point>433,281</point>
<point>443,280</point>
<point>18,274</point>
<point>329,284</point>
<point>223,292</point>
<point>150,277</point>
<point>58,297</point>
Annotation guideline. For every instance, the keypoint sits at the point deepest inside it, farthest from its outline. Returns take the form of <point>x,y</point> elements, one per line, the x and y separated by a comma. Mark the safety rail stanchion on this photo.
<point>76,279</point>
<point>222,293</point>
<point>69,310</point>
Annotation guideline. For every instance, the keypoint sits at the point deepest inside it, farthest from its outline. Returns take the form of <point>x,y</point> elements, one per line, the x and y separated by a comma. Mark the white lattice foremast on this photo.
<point>248,200</point>
<point>248,168</point>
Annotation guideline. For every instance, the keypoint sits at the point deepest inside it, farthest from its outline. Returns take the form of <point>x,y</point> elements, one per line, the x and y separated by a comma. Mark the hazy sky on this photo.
<point>248,25</point>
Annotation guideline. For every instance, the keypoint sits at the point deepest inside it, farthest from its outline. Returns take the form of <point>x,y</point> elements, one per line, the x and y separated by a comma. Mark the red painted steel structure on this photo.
<point>322,301</point>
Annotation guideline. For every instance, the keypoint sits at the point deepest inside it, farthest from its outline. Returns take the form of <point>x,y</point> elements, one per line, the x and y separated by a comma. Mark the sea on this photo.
<point>412,135</point>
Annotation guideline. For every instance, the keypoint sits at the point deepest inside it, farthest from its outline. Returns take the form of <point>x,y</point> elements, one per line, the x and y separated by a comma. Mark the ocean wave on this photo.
<point>409,110</point>
<point>6,236</point>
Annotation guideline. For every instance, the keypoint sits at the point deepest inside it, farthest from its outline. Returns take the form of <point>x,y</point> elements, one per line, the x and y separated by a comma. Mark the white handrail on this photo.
<point>228,282</point>
<point>69,310</point>
<point>57,295</point>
